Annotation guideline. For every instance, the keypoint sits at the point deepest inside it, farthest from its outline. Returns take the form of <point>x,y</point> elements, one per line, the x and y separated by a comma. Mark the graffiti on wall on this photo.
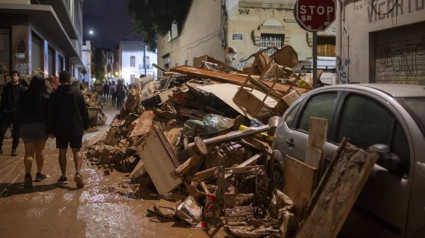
<point>22,68</point>
<point>407,58</point>
<point>405,62</point>
<point>342,68</point>
<point>378,10</point>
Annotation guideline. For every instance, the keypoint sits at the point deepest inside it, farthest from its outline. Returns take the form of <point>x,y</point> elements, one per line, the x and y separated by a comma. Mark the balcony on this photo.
<point>61,7</point>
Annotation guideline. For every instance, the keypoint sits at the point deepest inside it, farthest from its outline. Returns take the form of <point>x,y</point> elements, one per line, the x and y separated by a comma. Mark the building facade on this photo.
<point>135,60</point>
<point>381,41</point>
<point>245,25</point>
<point>43,34</point>
<point>86,56</point>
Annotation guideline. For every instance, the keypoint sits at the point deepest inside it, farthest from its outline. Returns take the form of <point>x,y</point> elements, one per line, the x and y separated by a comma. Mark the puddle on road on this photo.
<point>35,212</point>
<point>111,220</point>
<point>43,198</point>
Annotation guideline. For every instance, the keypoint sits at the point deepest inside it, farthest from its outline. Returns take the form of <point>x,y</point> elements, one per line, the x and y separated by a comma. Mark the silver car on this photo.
<point>392,119</point>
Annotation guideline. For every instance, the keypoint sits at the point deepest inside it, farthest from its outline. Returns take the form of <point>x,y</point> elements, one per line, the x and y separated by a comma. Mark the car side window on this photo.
<point>289,119</point>
<point>367,122</point>
<point>318,106</point>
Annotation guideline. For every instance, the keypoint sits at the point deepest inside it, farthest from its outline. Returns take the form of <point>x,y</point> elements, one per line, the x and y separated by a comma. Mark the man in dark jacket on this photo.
<point>67,118</point>
<point>9,102</point>
<point>120,91</point>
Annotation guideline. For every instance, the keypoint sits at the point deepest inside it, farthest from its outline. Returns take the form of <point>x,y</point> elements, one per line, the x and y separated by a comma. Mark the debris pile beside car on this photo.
<point>203,137</point>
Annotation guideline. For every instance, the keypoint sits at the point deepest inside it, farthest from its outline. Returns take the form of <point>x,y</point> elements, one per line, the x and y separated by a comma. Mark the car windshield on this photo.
<point>415,106</point>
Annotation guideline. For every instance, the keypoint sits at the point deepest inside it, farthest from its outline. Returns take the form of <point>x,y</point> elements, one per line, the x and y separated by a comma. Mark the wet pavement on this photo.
<point>103,208</point>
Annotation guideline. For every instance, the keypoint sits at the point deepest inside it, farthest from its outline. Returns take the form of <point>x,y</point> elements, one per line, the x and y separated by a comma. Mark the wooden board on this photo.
<point>337,192</point>
<point>227,91</point>
<point>160,161</point>
<point>299,182</point>
<point>144,124</point>
<point>317,132</point>
<point>313,157</point>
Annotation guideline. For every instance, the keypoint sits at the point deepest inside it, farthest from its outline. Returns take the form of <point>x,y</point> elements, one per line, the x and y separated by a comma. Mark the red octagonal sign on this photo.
<point>315,15</point>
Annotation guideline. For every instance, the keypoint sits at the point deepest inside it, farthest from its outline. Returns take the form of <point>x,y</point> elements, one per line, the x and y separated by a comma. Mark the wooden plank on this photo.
<point>247,162</point>
<point>159,160</point>
<point>313,157</point>
<point>139,170</point>
<point>299,182</point>
<point>338,191</point>
<point>144,125</point>
<point>187,165</point>
<point>317,132</point>
<point>207,174</point>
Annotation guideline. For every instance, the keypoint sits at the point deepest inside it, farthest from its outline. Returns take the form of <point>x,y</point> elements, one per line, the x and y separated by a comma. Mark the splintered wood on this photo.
<point>338,191</point>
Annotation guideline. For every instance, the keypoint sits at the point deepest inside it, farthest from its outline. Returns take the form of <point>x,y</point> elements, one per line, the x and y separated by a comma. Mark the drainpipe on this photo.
<point>340,49</point>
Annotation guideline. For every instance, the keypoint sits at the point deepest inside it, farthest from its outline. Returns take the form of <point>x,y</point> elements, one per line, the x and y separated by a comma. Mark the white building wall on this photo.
<point>200,36</point>
<point>138,69</point>
<point>357,20</point>
<point>127,70</point>
<point>86,58</point>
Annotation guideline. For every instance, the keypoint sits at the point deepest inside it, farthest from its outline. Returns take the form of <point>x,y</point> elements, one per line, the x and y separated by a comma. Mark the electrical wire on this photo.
<point>383,14</point>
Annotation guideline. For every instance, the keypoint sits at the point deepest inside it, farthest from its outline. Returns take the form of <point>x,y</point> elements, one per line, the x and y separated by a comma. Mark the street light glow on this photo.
<point>91,32</point>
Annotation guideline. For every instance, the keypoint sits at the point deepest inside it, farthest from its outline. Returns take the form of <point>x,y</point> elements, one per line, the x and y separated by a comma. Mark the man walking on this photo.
<point>67,119</point>
<point>9,101</point>
<point>120,92</point>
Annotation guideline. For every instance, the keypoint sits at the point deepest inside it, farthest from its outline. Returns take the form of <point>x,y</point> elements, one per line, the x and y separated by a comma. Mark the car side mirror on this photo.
<point>390,161</point>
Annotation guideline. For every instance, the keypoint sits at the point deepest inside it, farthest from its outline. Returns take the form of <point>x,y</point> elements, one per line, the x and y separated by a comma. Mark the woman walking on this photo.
<point>32,112</point>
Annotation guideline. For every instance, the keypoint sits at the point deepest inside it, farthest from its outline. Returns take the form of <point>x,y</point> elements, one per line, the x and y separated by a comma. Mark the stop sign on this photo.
<point>315,15</point>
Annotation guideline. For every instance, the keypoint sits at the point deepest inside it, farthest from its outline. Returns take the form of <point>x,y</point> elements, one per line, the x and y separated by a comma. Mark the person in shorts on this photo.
<point>32,111</point>
<point>67,118</point>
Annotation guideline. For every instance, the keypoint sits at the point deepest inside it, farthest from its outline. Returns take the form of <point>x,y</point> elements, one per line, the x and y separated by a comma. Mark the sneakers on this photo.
<point>79,180</point>
<point>28,181</point>
<point>62,180</point>
<point>39,177</point>
<point>13,153</point>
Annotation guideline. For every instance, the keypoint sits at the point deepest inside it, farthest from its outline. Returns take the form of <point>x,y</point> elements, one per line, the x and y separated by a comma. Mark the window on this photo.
<point>289,119</point>
<point>271,40</point>
<point>367,122</point>
<point>132,61</point>
<point>318,106</point>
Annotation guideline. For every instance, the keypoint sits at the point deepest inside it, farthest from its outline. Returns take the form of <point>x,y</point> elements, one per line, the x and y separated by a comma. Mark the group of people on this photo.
<point>117,92</point>
<point>34,114</point>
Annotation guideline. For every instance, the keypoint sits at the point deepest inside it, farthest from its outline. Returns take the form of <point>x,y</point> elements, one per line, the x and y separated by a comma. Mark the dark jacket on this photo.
<point>32,108</point>
<point>67,112</point>
<point>10,97</point>
<point>120,91</point>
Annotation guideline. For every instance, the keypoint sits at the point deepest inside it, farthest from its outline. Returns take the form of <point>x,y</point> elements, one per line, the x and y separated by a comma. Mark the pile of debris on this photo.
<point>205,137</point>
<point>96,116</point>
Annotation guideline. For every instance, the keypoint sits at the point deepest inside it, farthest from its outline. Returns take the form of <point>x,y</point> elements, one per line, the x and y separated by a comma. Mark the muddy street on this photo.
<point>105,207</point>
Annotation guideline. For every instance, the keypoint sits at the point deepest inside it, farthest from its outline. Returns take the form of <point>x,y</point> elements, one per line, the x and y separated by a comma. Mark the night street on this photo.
<point>212,118</point>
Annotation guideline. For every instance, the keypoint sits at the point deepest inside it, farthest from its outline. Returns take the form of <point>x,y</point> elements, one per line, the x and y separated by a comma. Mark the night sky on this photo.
<point>109,21</point>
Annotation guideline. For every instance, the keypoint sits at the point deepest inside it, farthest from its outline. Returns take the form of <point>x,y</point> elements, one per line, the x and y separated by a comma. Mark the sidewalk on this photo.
<point>101,209</point>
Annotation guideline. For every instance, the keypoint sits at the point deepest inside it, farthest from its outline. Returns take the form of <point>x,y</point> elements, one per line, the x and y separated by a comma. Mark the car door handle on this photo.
<point>290,142</point>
